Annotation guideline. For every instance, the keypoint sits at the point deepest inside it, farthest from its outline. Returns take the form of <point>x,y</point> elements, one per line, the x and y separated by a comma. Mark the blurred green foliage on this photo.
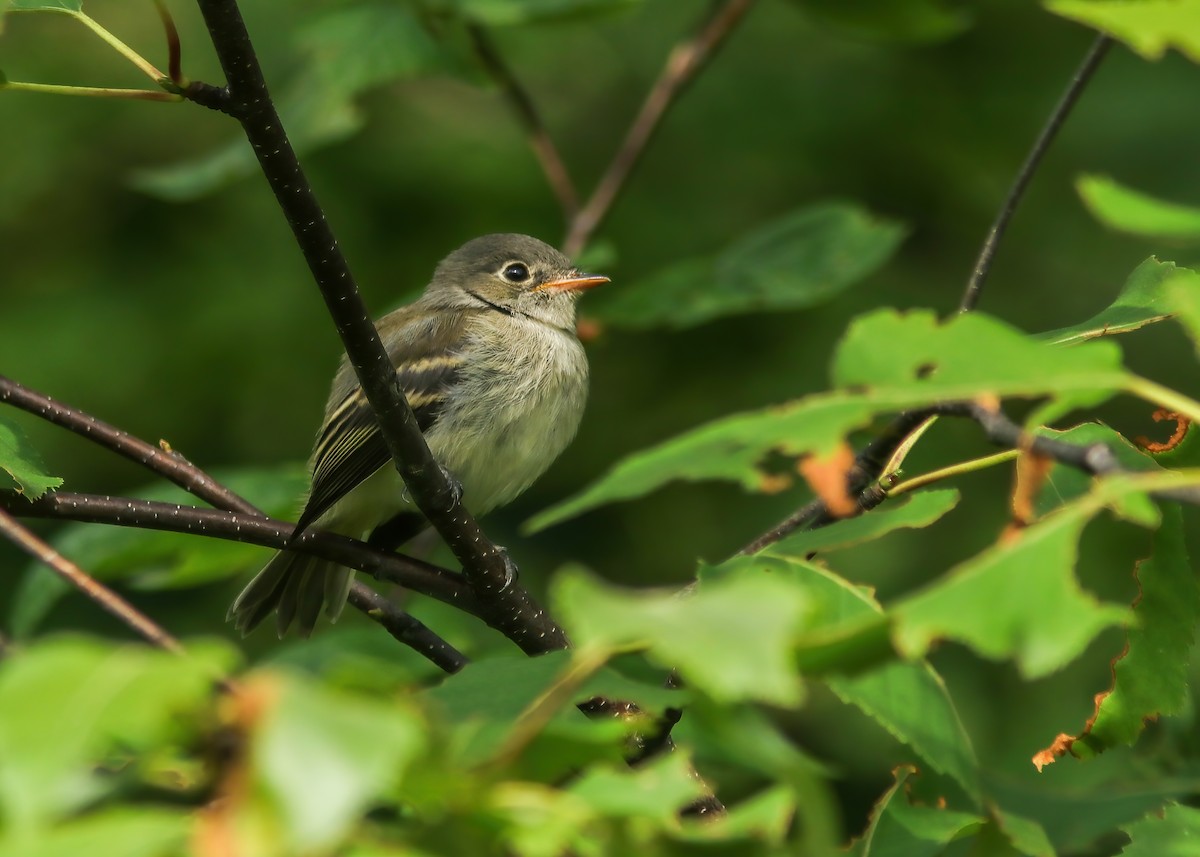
<point>146,277</point>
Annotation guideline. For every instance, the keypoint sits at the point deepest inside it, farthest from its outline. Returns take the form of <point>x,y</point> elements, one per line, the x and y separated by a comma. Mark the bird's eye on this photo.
<point>515,272</point>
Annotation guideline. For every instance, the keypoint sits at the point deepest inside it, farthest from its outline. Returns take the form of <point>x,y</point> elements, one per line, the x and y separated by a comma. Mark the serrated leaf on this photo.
<point>888,361</point>
<point>1173,832</point>
<point>1148,296</point>
<point>919,21</point>
<point>157,560</point>
<point>346,52</point>
<point>495,13</point>
<point>731,639</point>
<point>917,510</point>
<point>899,828</point>
<point>908,700</point>
<point>1017,599</point>
<point>119,832</point>
<point>322,756</point>
<point>797,261</point>
<point>1128,210</point>
<point>1150,27</point>
<point>20,461</point>
<point>1150,678</point>
<point>79,700</point>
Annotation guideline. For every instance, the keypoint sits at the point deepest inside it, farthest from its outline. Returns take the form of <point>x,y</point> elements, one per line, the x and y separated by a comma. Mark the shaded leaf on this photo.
<point>1128,210</point>
<point>79,700</point>
<point>888,361</point>
<point>346,52</point>
<point>1026,836</point>
<point>323,756</point>
<point>118,832</point>
<point>908,700</point>
<point>1018,599</point>
<point>1184,295</point>
<point>45,5</point>
<point>1174,832</point>
<point>917,510</point>
<point>899,828</point>
<point>731,638</point>
<point>21,466</point>
<point>1151,677</point>
<point>885,20</point>
<point>1150,27</point>
<point>157,560</point>
<point>1147,296</point>
<point>797,261</point>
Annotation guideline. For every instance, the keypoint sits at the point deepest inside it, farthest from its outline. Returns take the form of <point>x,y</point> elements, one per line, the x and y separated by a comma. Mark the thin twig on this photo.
<point>77,577</point>
<point>1061,110</point>
<point>683,63</point>
<point>527,113</point>
<point>408,629</point>
<point>486,565</point>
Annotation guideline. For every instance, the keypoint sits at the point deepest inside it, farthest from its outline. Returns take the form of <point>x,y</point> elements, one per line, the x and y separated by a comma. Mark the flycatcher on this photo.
<point>493,370</point>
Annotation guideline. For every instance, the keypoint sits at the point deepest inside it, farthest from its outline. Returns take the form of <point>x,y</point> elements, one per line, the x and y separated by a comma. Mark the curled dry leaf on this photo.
<point>829,477</point>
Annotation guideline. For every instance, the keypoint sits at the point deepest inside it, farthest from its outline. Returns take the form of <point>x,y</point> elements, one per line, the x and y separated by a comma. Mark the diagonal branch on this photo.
<point>485,564</point>
<point>683,64</point>
<point>522,104</point>
<point>19,535</point>
<point>1058,115</point>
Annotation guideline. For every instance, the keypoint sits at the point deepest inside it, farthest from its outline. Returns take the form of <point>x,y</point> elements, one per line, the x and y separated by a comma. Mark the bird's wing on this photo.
<point>350,446</point>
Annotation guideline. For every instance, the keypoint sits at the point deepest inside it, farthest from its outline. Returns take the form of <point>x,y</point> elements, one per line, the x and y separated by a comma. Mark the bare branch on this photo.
<point>987,253</point>
<point>85,583</point>
<point>485,564</point>
<point>557,175</point>
<point>407,629</point>
<point>683,64</point>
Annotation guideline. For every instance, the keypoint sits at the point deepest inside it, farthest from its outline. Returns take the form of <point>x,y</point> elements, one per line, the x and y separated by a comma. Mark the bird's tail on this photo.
<point>296,586</point>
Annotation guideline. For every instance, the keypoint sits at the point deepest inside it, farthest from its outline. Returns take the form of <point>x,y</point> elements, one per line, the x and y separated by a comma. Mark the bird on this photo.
<point>489,360</point>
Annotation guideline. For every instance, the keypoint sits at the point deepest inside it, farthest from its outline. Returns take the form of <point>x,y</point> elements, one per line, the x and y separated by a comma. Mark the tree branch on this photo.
<point>683,64</point>
<point>407,629</point>
<point>485,564</point>
<point>557,175</point>
<point>195,481</point>
<point>987,253</point>
<point>19,535</point>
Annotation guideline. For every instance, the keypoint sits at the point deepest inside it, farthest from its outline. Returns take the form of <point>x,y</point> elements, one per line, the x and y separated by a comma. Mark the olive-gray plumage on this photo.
<point>491,366</point>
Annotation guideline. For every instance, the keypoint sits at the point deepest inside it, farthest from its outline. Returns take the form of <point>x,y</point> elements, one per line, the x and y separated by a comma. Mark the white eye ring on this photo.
<point>515,272</point>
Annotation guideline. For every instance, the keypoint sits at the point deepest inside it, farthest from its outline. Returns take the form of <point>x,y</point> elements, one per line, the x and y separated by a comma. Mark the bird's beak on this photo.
<point>572,284</point>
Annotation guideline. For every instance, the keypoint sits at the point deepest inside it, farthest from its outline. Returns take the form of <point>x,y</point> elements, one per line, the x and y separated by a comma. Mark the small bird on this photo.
<point>490,363</point>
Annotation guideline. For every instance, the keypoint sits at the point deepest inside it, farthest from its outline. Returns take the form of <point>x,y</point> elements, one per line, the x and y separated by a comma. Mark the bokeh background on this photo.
<point>196,321</point>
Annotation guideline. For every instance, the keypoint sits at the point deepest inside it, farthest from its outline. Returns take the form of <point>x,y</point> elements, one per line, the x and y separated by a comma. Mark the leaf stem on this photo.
<point>963,467</point>
<point>1165,397</point>
<point>90,91</point>
<point>120,47</point>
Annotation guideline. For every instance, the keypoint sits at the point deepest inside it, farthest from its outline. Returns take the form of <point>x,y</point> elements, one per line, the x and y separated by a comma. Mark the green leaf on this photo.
<point>1184,295</point>
<point>157,560</point>
<point>45,5</point>
<point>1131,211</point>
<point>797,261</point>
<point>889,361</point>
<point>1150,27</point>
<point>1174,832</point>
<point>1019,599</point>
<point>505,12</point>
<point>1026,836</point>
<point>731,639</point>
<point>764,818</point>
<point>656,790</point>
<point>323,756</point>
<point>918,21</point>
<point>908,700</point>
<point>898,828</point>
<point>1148,296</point>
<point>917,510</point>
<point>120,832</point>
<point>1151,678</point>
<point>345,52</point>
<point>22,465</point>
<point>79,701</point>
